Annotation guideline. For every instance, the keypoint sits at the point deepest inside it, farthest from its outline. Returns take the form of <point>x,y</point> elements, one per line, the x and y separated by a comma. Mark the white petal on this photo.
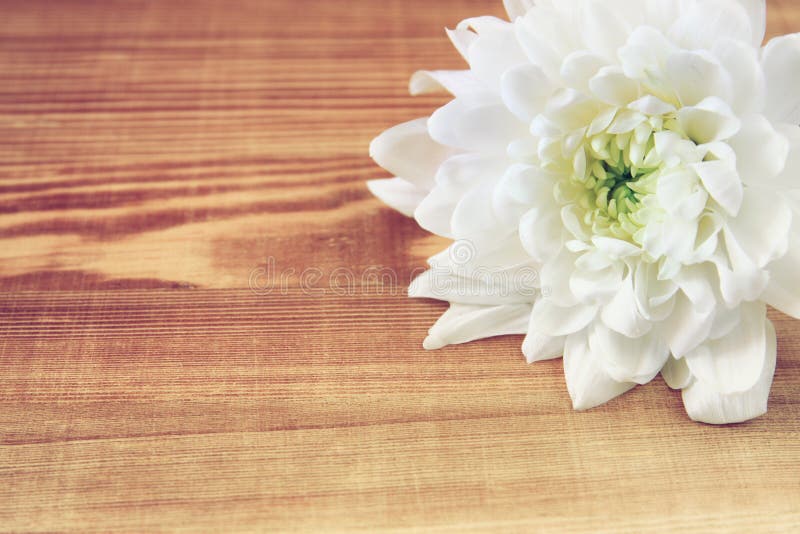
<point>676,373</point>
<point>538,347</point>
<point>495,51</point>
<point>733,363</point>
<point>679,192</point>
<point>761,151</point>
<point>654,297</point>
<point>463,323</point>
<point>525,89</point>
<point>789,178</point>
<point>541,232</point>
<point>723,184</point>
<point>781,62</point>
<point>556,278</point>
<point>743,64</point>
<point>538,34</point>
<point>486,290</point>
<point>408,151</point>
<point>587,382</point>
<point>757,12</point>
<point>628,359</point>
<point>651,105</point>
<point>579,67</point>
<point>708,21</point>
<point>555,321</point>
<point>645,54</point>
<point>705,404</point>
<point>695,76</point>
<point>480,126</point>
<point>517,8</point>
<point>454,179</point>
<point>612,86</point>
<point>762,226</point>
<point>457,82</point>
<point>461,38</point>
<point>602,30</point>
<point>622,315</point>
<point>474,218</point>
<point>710,120</point>
<point>398,194</point>
<point>570,110</point>
<point>783,291</point>
<point>686,327</point>
<point>740,279</point>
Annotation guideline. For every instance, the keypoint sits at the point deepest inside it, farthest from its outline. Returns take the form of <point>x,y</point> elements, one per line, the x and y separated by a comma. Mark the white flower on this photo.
<point>643,157</point>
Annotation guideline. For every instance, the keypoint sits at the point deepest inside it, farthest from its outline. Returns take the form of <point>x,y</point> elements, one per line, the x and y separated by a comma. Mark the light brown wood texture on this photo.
<point>153,156</point>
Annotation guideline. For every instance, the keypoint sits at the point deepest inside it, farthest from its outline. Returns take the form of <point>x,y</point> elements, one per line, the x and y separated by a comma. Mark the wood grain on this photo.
<point>154,157</point>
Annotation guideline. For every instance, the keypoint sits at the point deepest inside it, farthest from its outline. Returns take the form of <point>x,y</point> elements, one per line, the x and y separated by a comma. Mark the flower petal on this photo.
<point>757,12</point>
<point>686,327</point>
<point>525,89</point>
<point>761,151</point>
<point>456,82</point>
<point>743,64</point>
<point>612,86</point>
<point>733,363</point>
<point>541,231</point>
<point>538,347</point>
<point>628,359</point>
<point>722,182</point>
<point>580,67</point>
<point>676,373</point>
<point>622,315</point>
<point>479,125</point>
<point>398,194</point>
<point>705,404</point>
<point>708,21</point>
<point>710,120</point>
<point>762,226</point>
<point>408,151</point>
<point>517,8</point>
<point>783,291</point>
<point>552,320</point>
<point>781,62</point>
<point>697,75</point>
<point>587,382</point>
<point>463,323</point>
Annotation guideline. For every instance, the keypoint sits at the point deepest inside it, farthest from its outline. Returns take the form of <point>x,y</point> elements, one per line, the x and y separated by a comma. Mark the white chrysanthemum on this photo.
<point>642,157</point>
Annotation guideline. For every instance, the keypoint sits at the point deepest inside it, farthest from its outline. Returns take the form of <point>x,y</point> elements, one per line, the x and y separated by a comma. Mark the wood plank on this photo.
<point>140,410</point>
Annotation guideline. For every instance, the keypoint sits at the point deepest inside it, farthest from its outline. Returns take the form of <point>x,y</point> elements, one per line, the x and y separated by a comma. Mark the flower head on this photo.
<point>643,157</point>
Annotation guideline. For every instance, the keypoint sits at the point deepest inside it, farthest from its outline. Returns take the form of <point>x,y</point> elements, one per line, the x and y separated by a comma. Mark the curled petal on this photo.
<point>408,151</point>
<point>538,347</point>
<point>761,151</point>
<point>628,359</point>
<point>398,194</point>
<point>697,75</point>
<point>517,8</point>
<point>706,404</point>
<point>481,125</point>
<point>456,82</point>
<point>463,323</point>
<point>587,382</point>
<point>781,62</point>
<point>676,373</point>
<point>555,321</point>
<point>733,363</point>
<point>525,89</point>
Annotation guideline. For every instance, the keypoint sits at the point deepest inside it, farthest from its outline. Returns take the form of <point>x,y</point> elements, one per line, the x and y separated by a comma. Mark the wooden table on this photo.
<point>159,158</point>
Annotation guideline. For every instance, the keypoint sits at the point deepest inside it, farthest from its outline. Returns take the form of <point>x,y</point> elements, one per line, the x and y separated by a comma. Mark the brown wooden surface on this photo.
<point>153,156</point>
